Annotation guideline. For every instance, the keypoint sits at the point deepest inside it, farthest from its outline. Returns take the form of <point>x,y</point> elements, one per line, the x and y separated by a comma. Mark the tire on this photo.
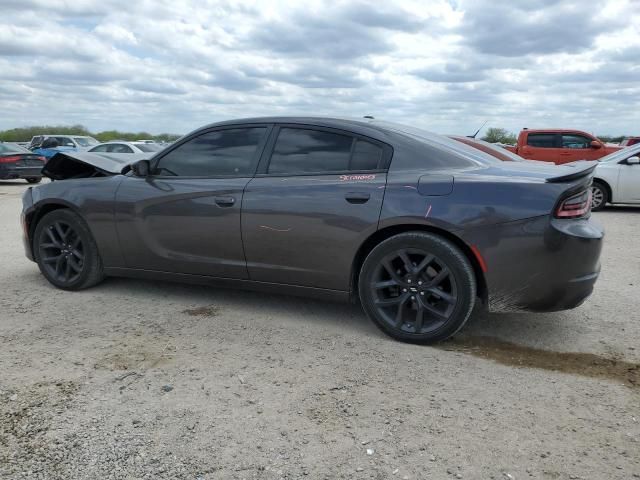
<point>34,179</point>
<point>430,294</point>
<point>600,192</point>
<point>66,252</point>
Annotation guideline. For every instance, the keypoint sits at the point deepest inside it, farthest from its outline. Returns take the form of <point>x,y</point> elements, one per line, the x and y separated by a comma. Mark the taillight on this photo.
<point>575,206</point>
<point>42,159</point>
<point>10,159</point>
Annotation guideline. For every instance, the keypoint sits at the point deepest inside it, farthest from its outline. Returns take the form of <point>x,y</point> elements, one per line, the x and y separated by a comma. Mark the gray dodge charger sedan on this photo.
<point>416,227</point>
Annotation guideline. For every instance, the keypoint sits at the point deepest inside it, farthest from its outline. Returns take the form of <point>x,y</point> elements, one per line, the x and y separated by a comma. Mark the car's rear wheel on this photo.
<point>599,196</point>
<point>34,179</point>
<point>417,287</point>
<point>66,252</point>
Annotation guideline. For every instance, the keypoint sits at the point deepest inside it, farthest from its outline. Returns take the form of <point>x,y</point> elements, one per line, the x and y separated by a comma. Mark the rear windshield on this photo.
<point>11,148</point>
<point>86,141</point>
<point>622,154</point>
<point>444,143</point>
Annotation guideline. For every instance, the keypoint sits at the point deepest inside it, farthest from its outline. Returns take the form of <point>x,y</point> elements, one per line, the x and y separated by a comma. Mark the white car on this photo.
<point>617,178</point>
<point>126,147</point>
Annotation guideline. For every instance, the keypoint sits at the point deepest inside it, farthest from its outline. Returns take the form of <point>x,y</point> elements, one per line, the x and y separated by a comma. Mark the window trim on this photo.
<point>155,160</point>
<point>267,154</point>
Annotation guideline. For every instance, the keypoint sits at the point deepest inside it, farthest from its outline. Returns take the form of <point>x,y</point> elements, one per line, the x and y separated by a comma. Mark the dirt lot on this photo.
<point>136,379</point>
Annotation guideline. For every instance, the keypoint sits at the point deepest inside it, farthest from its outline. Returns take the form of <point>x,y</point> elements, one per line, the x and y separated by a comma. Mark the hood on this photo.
<point>65,165</point>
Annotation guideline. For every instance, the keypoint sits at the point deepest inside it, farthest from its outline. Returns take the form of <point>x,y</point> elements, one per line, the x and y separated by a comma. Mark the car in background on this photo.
<point>79,142</point>
<point>126,147</point>
<point>560,146</point>
<point>492,149</point>
<point>50,146</point>
<point>416,226</point>
<point>616,179</point>
<point>18,162</point>
<point>627,142</point>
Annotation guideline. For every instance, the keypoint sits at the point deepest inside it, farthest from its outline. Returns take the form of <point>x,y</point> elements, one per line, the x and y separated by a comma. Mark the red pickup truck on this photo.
<point>560,146</point>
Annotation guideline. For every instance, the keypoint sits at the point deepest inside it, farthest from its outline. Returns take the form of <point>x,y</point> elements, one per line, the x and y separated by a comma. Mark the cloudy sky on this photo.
<point>446,65</point>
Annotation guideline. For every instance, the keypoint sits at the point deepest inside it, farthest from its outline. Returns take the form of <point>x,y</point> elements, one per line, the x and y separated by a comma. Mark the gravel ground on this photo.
<point>135,379</point>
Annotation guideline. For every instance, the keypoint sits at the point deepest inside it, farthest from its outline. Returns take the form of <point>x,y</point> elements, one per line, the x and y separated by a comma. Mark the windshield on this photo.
<point>470,153</point>
<point>12,148</point>
<point>622,154</point>
<point>148,147</point>
<point>86,141</point>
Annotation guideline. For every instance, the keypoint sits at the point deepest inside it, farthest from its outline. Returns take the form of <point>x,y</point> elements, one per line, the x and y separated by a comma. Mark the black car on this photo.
<point>416,226</point>
<point>18,162</point>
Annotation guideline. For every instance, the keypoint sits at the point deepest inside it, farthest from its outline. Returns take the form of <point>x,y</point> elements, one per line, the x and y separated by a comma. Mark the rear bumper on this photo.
<point>9,172</point>
<point>541,264</point>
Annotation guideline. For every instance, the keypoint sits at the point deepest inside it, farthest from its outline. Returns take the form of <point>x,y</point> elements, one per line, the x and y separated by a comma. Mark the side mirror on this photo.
<point>595,144</point>
<point>635,160</point>
<point>142,168</point>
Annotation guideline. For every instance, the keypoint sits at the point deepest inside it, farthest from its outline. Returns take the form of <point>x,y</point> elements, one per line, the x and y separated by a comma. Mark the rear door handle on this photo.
<point>225,201</point>
<point>357,197</point>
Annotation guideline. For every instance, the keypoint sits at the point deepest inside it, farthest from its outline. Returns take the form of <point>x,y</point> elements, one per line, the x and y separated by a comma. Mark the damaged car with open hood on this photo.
<point>416,227</point>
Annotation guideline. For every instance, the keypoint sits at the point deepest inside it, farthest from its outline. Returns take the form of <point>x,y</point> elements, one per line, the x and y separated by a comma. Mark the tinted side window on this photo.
<point>365,156</point>
<point>575,141</point>
<point>310,151</point>
<point>101,148</point>
<point>541,140</point>
<point>220,153</point>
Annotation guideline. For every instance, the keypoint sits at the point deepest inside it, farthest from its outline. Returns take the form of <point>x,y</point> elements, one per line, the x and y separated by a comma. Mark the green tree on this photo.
<point>24,134</point>
<point>499,135</point>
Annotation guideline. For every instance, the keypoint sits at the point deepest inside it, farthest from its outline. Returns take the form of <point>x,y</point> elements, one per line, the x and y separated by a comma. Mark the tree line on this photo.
<point>24,134</point>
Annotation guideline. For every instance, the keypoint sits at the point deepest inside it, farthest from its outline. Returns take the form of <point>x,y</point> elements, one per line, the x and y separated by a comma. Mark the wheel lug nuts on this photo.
<point>422,293</point>
<point>404,290</point>
<point>409,281</point>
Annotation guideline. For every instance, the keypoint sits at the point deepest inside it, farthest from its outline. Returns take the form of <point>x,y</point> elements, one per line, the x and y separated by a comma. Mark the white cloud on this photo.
<point>445,65</point>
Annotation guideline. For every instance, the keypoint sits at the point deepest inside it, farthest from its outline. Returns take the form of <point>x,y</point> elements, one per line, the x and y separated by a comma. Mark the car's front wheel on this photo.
<point>599,196</point>
<point>417,287</point>
<point>66,252</point>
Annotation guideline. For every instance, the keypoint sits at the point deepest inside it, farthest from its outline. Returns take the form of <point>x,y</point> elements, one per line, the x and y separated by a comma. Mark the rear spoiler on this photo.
<point>582,168</point>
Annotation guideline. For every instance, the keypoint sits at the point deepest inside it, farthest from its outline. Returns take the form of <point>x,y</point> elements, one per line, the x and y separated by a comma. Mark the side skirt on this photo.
<point>278,288</point>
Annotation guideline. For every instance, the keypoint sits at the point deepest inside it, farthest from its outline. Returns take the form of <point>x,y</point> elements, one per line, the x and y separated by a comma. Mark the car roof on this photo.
<point>364,126</point>
<point>553,130</point>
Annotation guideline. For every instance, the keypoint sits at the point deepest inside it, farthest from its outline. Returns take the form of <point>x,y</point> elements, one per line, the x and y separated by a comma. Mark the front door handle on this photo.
<point>357,197</point>
<point>225,201</point>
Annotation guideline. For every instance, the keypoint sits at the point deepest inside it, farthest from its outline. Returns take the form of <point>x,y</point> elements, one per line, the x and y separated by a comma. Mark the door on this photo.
<point>541,146</point>
<point>316,197</point>
<point>629,182</point>
<point>578,147</point>
<point>185,217</point>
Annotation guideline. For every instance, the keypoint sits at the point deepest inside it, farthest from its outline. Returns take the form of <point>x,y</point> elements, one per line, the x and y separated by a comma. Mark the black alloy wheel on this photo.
<point>66,252</point>
<point>61,252</point>
<point>417,287</point>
